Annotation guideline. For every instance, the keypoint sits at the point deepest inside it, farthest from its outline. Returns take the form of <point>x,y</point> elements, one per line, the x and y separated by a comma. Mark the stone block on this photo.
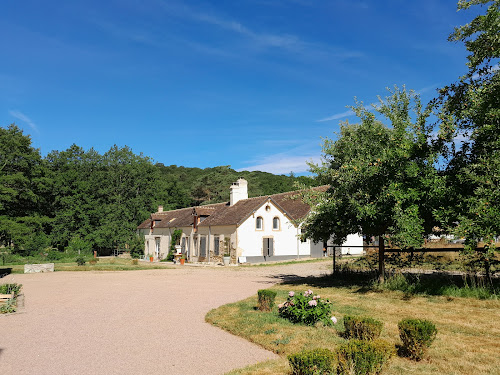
<point>37,268</point>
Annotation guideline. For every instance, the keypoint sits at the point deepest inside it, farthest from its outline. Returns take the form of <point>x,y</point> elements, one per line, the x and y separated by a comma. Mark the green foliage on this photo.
<point>12,288</point>
<point>211,185</point>
<point>383,177</point>
<point>79,246</point>
<point>266,299</point>
<point>363,357</point>
<point>54,255</point>
<point>313,362</point>
<point>8,307</point>
<point>136,246</point>
<point>80,261</point>
<point>362,328</point>
<point>470,109</point>
<point>417,335</point>
<point>306,308</point>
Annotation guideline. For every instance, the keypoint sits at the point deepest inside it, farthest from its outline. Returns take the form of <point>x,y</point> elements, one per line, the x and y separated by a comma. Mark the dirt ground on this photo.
<point>133,322</point>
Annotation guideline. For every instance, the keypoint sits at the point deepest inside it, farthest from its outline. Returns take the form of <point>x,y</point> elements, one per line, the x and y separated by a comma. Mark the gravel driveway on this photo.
<point>135,322</point>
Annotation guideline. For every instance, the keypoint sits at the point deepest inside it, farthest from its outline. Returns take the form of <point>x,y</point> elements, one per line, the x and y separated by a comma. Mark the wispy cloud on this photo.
<point>283,164</point>
<point>21,116</point>
<point>337,116</point>
<point>348,113</point>
<point>259,39</point>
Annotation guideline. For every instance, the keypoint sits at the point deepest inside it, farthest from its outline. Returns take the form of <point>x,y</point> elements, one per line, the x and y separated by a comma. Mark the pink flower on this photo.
<point>313,303</point>
<point>280,306</point>
<point>307,293</point>
<point>291,294</point>
<point>315,297</point>
<point>334,320</point>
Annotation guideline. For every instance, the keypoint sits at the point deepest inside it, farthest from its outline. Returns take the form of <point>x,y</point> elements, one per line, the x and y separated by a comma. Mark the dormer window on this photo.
<point>259,223</point>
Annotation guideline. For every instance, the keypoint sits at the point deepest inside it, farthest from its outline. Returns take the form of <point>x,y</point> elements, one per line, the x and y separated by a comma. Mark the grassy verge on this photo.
<point>468,340</point>
<point>104,264</point>
<point>287,262</point>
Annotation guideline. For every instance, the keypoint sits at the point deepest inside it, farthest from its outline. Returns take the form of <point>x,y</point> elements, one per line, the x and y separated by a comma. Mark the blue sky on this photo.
<point>253,84</point>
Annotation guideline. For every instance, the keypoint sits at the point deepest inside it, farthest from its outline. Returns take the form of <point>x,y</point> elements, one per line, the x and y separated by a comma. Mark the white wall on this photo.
<point>250,240</point>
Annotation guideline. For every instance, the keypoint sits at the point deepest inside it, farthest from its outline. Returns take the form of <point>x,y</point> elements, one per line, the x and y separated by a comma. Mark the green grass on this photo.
<point>104,264</point>
<point>468,339</point>
<point>287,262</point>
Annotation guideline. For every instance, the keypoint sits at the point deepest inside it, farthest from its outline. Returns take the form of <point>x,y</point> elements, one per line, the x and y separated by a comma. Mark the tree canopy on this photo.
<point>470,131</point>
<point>382,178</point>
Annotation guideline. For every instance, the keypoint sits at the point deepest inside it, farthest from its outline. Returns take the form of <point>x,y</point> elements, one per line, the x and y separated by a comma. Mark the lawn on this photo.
<point>104,264</point>
<point>468,340</point>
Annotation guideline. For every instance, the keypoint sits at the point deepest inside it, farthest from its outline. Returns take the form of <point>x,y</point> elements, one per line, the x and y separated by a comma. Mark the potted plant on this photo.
<point>151,257</point>
<point>183,259</point>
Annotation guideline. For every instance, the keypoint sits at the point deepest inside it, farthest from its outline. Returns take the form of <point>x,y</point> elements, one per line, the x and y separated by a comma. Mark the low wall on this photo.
<point>36,268</point>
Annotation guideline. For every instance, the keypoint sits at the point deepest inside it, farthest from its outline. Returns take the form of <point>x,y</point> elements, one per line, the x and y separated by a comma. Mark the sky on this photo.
<point>254,84</point>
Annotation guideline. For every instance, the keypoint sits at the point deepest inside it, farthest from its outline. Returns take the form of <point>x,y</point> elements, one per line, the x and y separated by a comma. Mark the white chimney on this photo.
<point>160,208</point>
<point>239,191</point>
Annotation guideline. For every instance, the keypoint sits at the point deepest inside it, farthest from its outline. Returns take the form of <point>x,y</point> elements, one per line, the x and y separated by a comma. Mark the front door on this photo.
<point>268,247</point>
<point>157,247</point>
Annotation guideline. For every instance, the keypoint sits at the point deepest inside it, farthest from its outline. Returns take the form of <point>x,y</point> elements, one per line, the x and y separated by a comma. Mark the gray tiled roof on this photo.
<point>224,214</point>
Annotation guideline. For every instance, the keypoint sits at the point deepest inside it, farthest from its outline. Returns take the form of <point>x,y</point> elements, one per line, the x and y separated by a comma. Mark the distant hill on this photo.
<point>211,185</point>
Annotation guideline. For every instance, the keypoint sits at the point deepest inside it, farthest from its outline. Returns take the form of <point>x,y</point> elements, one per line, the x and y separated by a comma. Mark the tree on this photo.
<point>23,185</point>
<point>470,109</point>
<point>382,179</point>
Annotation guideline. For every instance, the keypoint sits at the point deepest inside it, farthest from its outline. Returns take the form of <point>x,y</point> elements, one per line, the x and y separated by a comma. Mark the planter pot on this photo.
<point>227,260</point>
<point>151,259</point>
<point>182,261</point>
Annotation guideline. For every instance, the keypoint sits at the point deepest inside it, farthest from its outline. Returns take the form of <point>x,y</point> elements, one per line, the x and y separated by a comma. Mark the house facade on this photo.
<point>248,229</point>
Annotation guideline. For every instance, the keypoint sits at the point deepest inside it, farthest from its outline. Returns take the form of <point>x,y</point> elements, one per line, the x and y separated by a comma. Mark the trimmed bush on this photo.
<point>362,328</point>
<point>266,299</point>
<point>306,308</point>
<point>313,362</point>
<point>80,261</point>
<point>359,357</point>
<point>417,335</point>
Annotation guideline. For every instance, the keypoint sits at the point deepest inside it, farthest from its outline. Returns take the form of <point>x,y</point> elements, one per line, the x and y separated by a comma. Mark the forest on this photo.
<point>81,198</point>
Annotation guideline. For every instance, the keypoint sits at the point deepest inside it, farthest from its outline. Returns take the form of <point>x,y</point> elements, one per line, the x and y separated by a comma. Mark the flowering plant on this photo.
<point>306,308</point>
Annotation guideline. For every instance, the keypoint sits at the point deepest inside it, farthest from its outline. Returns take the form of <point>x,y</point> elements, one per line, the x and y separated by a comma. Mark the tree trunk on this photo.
<point>381,263</point>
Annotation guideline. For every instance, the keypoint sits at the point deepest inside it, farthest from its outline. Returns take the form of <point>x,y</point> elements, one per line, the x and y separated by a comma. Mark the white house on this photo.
<point>249,229</point>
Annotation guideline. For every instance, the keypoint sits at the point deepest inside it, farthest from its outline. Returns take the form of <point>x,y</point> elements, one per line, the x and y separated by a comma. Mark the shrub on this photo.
<point>79,245</point>
<point>136,246</point>
<point>54,255</point>
<point>417,335</point>
<point>11,288</point>
<point>266,299</point>
<point>361,357</point>
<point>80,261</point>
<point>362,328</point>
<point>306,308</point>
<point>8,307</point>
<point>313,362</point>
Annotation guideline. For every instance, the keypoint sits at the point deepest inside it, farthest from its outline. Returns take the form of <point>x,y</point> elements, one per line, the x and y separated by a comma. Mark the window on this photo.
<point>276,223</point>
<point>203,246</point>
<point>259,223</point>
<point>216,245</point>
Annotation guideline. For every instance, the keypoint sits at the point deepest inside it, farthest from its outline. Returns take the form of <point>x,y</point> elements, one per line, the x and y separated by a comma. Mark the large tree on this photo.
<point>23,189</point>
<point>382,177</point>
<point>470,132</point>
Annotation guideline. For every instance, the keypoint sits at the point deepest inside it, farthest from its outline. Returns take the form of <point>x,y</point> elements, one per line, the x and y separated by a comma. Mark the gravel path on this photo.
<point>135,322</point>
